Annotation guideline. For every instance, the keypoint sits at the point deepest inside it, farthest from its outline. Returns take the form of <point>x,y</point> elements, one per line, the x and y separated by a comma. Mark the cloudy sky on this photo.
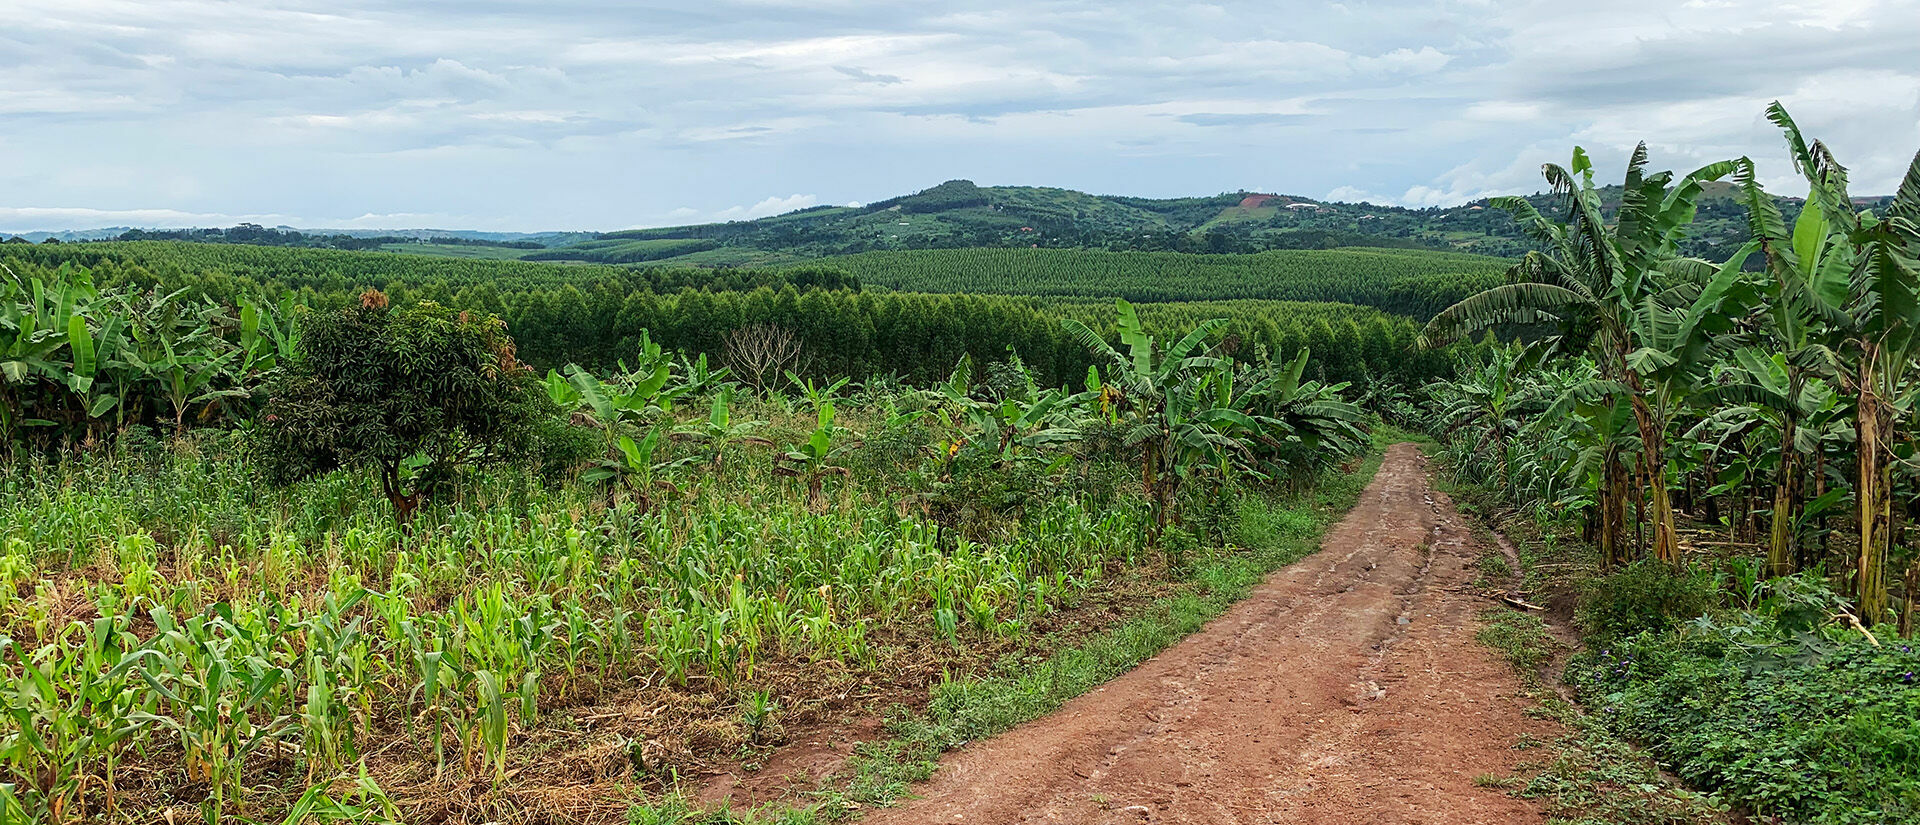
<point>597,114</point>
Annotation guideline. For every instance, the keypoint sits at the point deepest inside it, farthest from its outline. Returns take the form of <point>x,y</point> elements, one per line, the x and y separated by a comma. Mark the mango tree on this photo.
<point>381,388</point>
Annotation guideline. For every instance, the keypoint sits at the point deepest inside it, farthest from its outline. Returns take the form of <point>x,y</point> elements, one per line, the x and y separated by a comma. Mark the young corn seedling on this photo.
<point>758,710</point>
<point>73,705</point>
<point>227,701</point>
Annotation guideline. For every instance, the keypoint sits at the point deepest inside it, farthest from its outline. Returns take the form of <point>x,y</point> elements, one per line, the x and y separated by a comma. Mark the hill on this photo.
<point>958,214</point>
<point>961,215</point>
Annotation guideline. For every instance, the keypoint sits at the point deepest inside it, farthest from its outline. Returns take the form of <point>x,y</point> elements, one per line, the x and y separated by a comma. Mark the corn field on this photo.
<point>183,635</point>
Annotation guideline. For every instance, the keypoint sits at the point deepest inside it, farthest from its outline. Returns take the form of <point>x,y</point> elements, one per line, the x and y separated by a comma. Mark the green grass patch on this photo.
<point>1386,435</point>
<point>1590,776</point>
<point>1521,638</point>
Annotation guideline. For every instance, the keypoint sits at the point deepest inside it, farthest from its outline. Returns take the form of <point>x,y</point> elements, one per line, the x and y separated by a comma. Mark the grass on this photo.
<point>1273,535</point>
<point>1589,776</point>
<point>1520,638</point>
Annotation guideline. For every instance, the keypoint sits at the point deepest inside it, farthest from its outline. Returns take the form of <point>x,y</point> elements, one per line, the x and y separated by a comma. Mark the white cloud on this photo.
<point>582,114</point>
<point>765,208</point>
<point>1354,194</point>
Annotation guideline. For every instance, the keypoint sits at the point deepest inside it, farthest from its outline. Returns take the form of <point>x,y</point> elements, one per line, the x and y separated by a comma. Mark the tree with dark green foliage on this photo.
<point>411,394</point>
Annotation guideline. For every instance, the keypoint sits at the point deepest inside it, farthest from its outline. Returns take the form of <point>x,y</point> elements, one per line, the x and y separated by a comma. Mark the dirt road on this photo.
<point>1347,688</point>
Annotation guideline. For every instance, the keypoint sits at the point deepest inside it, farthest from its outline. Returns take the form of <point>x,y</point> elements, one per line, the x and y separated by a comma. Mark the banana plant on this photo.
<point>268,336</point>
<point>815,393</point>
<point>812,459</point>
<point>1482,400</point>
<point>612,406</point>
<point>1591,280</point>
<point>1799,410</point>
<point>1154,386</point>
<point>190,376</point>
<point>1872,322</point>
<point>720,430</point>
<point>635,467</point>
<point>1297,427</point>
<point>1022,418</point>
<point>698,379</point>
<point>45,342</point>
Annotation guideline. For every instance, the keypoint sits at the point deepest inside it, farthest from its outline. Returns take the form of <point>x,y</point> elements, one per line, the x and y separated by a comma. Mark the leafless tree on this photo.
<point>761,353</point>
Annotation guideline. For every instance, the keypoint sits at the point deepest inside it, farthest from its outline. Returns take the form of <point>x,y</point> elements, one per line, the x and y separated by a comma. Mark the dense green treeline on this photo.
<point>1415,283</point>
<point>594,315</point>
<point>918,337</point>
<point>1412,283</point>
<point>622,251</point>
<point>225,270</point>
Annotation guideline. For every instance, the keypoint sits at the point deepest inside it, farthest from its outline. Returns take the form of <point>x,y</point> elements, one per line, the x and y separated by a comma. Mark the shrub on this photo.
<point>561,449</point>
<point>1814,727</point>
<point>1645,596</point>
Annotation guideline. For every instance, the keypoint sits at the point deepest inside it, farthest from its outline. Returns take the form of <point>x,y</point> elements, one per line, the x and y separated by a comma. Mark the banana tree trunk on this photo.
<point>1153,486</point>
<point>1666,542</point>
<point>1876,503</point>
<point>1786,505</point>
<point>1613,512</point>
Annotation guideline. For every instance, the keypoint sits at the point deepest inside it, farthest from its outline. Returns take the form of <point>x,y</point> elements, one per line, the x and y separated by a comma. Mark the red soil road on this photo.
<point>1347,688</point>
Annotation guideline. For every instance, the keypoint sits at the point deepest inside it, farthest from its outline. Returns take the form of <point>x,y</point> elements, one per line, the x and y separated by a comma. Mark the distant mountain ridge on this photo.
<point>961,214</point>
<point>109,233</point>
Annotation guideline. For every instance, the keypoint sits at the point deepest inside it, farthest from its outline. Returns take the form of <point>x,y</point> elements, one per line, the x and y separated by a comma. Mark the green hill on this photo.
<point>958,214</point>
<point>961,215</point>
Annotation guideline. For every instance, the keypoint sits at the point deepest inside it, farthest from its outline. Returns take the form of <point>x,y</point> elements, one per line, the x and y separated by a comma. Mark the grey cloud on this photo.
<point>865,76</point>
<point>596,113</point>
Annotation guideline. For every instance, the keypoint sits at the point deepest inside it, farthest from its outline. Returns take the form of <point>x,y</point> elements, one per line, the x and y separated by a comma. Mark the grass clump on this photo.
<point>1646,596</point>
<point>1522,638</point>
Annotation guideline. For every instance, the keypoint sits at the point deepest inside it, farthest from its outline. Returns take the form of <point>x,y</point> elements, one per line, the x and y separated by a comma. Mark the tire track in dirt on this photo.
<point>1347,688</point>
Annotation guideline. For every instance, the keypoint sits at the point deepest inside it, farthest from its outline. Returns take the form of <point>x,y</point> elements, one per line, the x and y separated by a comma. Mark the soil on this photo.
<point>791,771</point>
<point>1347,688</point>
